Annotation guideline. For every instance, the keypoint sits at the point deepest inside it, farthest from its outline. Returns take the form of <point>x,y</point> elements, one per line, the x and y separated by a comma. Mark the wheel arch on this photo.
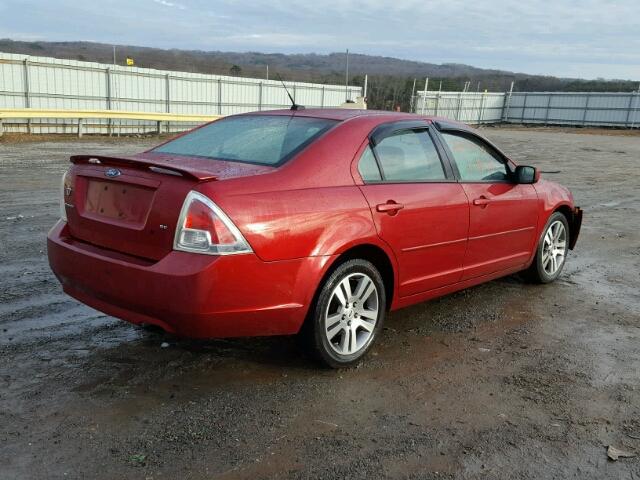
<point>377,255</point>
<point>379,258</point>
<point>570,215</point>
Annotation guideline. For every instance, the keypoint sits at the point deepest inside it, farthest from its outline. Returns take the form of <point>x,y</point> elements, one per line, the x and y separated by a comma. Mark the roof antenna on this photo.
<point>294,105</point>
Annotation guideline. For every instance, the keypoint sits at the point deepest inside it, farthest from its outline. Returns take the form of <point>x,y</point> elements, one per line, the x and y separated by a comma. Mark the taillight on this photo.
<point>66,194</point>
<point>204,228</point>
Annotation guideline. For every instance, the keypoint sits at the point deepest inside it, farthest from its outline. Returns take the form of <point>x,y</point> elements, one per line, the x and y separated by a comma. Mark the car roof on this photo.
<point>342,114</point>
<point>334,113</point>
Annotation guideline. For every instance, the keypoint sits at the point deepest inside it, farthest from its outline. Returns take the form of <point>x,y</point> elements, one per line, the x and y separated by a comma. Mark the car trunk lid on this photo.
<point>132,204</point>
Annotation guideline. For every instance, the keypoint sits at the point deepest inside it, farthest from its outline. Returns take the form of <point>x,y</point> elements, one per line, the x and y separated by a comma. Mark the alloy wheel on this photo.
<point>351,314</point>
<point>554,248</point>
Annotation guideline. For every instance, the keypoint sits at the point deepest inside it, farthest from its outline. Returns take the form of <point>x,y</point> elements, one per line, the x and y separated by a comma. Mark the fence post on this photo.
<point>505,108</point>
<point>424,100</point>
<point>437,104</point>
<point>1,127</point>
<point>586,109</point>
<point>294,93</point>
<point>524,106</point>
<point>506,105</point>
<point>481,108</point>
<point>260,96</point>
<point>637,97</point>
<point>459,106</point>
<point>168,100</point>
<point>322,98</point>
<point>546,115</point>
<point>219,96</point>
<point>79,128</point>
<point>167,94</point>
<point>27,93</point>
<point>413,95</point>
<point>366,84</point>
<point>631,97</point>
<point>108,85</point>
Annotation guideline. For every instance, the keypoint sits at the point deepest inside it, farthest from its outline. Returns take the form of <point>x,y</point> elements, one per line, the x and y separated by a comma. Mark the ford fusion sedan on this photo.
<point>309,222</point>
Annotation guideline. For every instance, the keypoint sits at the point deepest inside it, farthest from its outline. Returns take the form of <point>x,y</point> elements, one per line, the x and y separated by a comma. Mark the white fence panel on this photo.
<point>467,107</point>
<point>48,83</point>
<point>549,108</point>
<point>587,109</point>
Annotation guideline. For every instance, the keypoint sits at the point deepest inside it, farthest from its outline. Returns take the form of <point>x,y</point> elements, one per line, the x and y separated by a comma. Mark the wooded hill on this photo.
<point>390,79</point>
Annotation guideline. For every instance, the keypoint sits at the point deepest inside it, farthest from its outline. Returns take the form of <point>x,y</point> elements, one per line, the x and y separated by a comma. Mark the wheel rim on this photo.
<point>351,314</point>
<point>554,248</point>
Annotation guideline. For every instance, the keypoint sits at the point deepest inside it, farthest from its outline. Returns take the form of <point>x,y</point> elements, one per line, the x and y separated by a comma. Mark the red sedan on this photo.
<point>315,222</point>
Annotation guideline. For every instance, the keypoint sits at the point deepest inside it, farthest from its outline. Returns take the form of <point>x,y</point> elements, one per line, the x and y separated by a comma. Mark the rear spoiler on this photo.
<point>156,165</point>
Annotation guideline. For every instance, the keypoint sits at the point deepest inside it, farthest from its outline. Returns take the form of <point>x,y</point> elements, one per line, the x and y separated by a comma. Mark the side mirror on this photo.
<point>526,174</point>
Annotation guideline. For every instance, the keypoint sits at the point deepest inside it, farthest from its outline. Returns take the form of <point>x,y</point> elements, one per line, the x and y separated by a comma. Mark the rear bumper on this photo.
<point>192,295</point>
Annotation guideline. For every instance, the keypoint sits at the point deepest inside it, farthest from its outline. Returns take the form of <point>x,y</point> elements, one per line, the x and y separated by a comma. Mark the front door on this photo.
<point>503,215</point>
<point>418,208</point>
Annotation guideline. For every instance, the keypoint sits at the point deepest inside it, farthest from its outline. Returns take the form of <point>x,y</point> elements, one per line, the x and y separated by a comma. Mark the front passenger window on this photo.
<point>476,162</point>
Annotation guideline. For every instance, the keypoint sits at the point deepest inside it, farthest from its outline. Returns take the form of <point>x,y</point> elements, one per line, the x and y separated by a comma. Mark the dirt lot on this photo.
<point>505,380</point>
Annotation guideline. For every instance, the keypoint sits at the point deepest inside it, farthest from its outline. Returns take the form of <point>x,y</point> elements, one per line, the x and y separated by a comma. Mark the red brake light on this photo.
<point>201,217</point>
<point>204,228</point>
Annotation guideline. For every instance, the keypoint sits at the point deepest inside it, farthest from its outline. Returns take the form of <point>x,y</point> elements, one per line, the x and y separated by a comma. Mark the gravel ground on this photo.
<point>505,380</point>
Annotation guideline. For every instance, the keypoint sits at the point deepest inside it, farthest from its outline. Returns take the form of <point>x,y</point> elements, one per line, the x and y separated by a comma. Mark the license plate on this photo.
<point>118,201</point>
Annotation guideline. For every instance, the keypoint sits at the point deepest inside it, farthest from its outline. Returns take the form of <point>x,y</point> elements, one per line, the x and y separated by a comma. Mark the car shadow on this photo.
<point>154,357</point>
<point>285,352</point>
<point>276,351</point>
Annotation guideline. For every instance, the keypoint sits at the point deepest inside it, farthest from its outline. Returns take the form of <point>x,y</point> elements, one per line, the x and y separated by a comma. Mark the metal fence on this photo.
<point>48,83</point>
<point>472,108</point>
<point>547,108</point>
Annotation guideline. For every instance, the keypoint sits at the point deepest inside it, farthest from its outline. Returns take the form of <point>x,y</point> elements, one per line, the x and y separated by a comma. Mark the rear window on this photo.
<point>260,139</point>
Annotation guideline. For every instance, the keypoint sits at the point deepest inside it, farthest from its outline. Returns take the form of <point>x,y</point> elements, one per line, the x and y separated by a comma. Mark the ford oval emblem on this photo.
<point>112,172</point>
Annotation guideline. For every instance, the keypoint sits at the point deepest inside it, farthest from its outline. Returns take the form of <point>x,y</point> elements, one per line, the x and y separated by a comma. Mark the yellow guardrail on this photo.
<point>31,113</point>
<point>121,114</point>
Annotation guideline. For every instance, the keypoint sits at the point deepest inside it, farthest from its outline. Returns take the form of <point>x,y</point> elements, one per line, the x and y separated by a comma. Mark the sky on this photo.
<point>581,39</point>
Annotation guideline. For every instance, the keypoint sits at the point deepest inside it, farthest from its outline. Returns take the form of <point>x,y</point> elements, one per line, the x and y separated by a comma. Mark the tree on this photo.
<point>235,70</point>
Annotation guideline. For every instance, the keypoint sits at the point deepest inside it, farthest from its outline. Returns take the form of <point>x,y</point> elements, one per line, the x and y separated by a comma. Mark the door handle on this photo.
<point>390,207</point>
<point>482,201</point>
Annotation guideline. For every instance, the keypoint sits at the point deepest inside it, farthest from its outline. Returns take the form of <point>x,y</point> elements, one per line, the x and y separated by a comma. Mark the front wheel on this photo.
<point>552,250</point>
<point>348,314</point>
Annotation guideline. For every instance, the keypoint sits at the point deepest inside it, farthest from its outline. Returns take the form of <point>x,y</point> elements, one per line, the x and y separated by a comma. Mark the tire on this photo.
<point>551,253</point>
<point>338,329</point>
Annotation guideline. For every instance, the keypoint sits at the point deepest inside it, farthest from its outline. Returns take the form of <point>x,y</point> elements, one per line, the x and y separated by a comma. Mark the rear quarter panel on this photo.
<point>310,206</point>
<point>299,223</point>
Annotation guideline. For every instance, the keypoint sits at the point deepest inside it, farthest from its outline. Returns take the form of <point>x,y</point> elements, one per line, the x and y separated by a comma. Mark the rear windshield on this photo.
<point>261,139</point>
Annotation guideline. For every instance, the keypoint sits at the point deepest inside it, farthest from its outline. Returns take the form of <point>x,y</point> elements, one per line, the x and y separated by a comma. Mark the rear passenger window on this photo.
<point>409,156</point>
<point>368,167</point>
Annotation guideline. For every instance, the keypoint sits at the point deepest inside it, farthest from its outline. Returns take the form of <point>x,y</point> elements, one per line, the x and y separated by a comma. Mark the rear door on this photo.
<point>503,214</point>
<point>418,207</point>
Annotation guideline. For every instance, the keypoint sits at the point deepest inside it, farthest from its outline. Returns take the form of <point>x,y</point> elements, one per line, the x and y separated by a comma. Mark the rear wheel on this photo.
<point>348,314</point>
<point>552,250</point>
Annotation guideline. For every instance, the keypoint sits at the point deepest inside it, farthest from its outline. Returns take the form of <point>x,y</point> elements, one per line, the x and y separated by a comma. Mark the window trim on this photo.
<point>392,128</point>
<point>389,129</point>
<point>472,137</point>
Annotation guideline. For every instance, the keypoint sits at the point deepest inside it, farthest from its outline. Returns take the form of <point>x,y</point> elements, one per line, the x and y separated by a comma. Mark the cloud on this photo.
<point>170,4</point>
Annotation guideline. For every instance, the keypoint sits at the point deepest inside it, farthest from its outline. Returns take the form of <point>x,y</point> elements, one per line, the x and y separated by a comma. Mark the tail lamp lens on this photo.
<point>66,194</point>
<point>204,228</point>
